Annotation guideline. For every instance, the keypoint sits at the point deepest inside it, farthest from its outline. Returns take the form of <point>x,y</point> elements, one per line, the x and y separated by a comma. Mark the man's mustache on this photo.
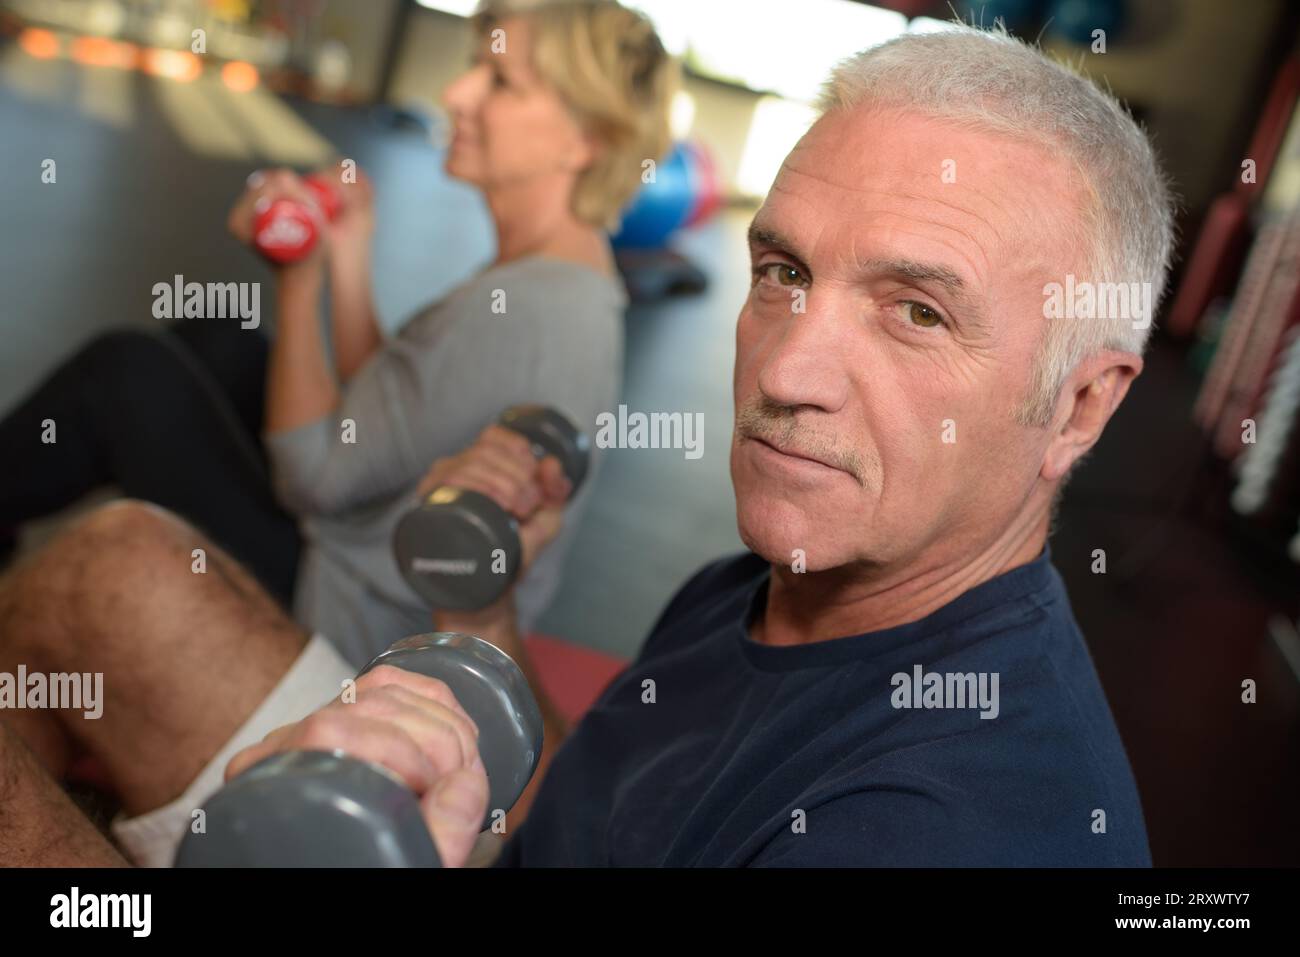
<point>778,425</point>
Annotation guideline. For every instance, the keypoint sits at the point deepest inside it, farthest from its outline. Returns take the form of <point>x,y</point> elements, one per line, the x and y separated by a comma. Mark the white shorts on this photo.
<point>151,839</point>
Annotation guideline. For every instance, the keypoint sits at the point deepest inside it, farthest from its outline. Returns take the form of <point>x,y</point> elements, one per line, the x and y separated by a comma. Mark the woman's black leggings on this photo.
<point>172,417</point>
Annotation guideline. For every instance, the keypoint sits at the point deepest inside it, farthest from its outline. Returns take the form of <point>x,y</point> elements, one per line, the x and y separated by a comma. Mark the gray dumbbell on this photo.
<point>459,549</point>
<point>325,809</point>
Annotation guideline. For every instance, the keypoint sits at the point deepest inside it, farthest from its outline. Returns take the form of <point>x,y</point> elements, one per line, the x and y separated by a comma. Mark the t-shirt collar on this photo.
<point>996,592</point>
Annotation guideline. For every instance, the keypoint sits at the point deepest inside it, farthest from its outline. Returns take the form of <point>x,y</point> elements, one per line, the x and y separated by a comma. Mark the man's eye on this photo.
<point>782,274</point>
<point>921,315</point>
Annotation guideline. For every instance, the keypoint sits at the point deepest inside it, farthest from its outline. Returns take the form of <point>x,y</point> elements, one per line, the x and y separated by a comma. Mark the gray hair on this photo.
<point>992,81</point>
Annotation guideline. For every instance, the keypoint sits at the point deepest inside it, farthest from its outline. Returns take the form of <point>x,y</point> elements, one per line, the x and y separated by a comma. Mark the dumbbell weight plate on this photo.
<point>460,575</point>
<point>311,809</point>
<point>495,694</point>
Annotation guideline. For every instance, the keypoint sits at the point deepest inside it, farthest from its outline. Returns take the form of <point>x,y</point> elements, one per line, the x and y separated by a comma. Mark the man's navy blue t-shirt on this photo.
<point>715,750</point>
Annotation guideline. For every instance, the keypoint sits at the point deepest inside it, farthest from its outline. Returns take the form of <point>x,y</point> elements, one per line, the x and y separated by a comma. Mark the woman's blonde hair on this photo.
<point>609,67</point>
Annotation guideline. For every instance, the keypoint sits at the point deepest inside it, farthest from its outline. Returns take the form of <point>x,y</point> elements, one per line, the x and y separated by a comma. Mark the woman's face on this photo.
<point>509,126</point>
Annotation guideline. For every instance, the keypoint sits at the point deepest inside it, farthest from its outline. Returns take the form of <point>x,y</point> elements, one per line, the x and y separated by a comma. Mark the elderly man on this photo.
<point>893,675</point>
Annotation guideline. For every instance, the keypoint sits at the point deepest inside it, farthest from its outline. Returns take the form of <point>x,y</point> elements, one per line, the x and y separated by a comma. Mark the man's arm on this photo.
<point>904,824</point>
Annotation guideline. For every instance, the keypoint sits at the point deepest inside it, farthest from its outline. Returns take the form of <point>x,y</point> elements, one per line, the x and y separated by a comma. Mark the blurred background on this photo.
<point>154,133</point>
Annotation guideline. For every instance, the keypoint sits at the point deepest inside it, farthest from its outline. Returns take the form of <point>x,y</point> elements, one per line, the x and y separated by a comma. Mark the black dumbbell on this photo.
<point>325,809</point>
<point>459,549</point>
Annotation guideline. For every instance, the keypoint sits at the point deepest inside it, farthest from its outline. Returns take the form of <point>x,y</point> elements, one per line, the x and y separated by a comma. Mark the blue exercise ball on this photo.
<point>660,207</point>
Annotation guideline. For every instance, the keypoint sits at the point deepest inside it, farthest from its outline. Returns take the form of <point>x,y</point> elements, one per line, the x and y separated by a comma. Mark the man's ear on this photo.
<point>1088,400</point>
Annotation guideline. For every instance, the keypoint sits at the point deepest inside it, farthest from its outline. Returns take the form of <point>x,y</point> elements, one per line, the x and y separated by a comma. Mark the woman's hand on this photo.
<point>265,187</point>
<point>354,225</point>
<point>413,726</point>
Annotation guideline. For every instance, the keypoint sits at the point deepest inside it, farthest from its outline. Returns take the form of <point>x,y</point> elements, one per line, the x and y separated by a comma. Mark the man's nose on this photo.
<point>807,363</point>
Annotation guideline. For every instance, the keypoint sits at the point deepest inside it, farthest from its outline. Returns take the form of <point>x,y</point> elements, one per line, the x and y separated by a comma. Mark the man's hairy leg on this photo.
<point>186,656</point>
<point>39,825</point>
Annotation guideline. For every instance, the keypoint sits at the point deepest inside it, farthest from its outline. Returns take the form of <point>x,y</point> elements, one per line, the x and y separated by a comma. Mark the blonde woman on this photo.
<point>552,121</point>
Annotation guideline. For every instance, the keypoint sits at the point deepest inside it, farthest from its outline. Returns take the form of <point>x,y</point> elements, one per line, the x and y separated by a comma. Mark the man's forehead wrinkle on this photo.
<point>794,168</point>
<point>923,230</point>
<point>779,187</point>
<point>981,217</point>
<point>970,242</point>
<point>895,191</point>
<point>1019,209</point>
<point>982,240</point>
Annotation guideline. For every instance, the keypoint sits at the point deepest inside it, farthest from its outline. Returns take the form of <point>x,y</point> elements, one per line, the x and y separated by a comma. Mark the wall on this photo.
<point>1195,67</point>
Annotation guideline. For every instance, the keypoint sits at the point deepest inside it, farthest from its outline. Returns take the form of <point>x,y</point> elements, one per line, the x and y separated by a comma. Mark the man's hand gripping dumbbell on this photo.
<point>391,774</point>
<point>438,737</point>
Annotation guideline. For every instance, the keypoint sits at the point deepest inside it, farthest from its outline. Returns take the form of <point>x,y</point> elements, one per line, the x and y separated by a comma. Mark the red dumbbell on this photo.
<point>284,231</point>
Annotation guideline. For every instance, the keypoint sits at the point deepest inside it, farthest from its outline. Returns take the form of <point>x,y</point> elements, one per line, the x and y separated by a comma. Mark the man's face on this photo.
<point>878,421</point>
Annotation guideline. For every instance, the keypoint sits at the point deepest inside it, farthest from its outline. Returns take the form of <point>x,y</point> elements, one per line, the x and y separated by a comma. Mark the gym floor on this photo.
<point>145,172</point>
